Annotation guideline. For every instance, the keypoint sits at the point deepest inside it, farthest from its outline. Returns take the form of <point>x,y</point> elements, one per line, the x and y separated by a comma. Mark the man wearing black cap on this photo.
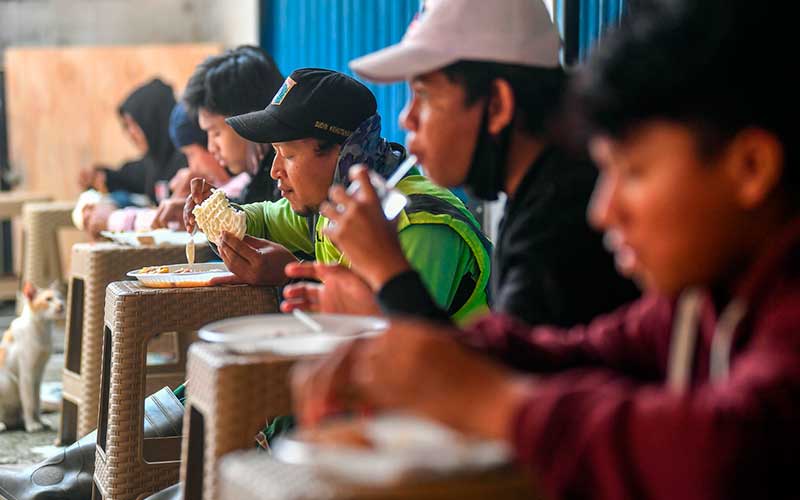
<point>321,123</point>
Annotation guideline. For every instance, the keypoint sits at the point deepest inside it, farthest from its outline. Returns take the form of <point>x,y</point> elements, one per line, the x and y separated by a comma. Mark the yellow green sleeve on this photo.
<point>276,221</point>
<point>440,256</point>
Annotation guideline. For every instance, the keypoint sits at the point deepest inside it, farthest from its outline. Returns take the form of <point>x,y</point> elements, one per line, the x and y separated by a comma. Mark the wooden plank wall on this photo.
<point>62,105</point>
<point>62,110</point>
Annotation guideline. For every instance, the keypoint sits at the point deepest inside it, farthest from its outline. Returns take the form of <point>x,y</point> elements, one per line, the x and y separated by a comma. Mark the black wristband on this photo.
<point>406,295</point>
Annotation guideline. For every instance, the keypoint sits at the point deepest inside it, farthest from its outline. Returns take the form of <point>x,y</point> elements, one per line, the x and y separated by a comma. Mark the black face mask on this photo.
<point>488,169</point>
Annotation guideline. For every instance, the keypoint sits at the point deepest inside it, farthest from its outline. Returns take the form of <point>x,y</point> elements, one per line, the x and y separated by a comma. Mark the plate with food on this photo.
<point>288,335</point>
<point>389,448</point>
<point>180,275</point>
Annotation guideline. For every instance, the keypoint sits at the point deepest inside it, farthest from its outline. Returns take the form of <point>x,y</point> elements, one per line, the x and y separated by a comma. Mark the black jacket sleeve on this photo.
<point>131,176</point>
<point>406,295</point>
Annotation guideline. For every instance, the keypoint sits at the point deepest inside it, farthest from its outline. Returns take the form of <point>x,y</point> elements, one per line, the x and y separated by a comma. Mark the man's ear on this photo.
<point>501,106</point>
<point>755,161</point>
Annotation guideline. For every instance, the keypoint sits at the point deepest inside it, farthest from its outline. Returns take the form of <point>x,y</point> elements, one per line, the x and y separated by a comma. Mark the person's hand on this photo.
<point>179,185</point>
<point>92,178</point>
<point>321,388</point>
<point>86,177</point>
<point>254,261</point>
<point>360,230</point>
<point>342,291</point>
<point>168,211</point>
<point>96,218</point>
<point>416,367</point>
<point>200,190</point>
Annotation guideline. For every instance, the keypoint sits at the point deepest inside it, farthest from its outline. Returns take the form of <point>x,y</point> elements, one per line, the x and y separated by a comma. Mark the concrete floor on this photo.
<point>18,446</point>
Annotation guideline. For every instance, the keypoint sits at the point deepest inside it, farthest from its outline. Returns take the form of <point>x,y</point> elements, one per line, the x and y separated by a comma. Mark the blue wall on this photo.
<point>329,33</point>
<point>594,18</point>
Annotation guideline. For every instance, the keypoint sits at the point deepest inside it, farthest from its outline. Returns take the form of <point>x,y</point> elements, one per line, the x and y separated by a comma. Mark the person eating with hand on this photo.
<point>320,123</point>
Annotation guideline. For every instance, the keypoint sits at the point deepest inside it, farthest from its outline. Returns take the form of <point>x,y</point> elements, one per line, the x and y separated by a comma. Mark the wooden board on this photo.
<point>62,106</point>
<point>62,110</point>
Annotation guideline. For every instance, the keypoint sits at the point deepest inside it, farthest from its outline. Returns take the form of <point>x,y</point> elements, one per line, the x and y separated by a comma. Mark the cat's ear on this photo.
<point>29,291</point>
<point>57,287</point>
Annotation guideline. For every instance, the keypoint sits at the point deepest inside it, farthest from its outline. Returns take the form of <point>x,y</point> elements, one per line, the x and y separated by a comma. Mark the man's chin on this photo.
<point>448,179</point>
<point>304,211</point>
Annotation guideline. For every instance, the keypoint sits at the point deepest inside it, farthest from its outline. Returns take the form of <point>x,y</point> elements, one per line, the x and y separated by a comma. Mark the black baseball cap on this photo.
<point>311,103</point>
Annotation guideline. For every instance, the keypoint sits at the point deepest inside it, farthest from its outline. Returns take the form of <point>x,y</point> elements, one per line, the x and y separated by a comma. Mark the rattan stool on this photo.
<point>11,203</point>
<point>229,400</point>
<point>94,266</point>
<point>41,259</point>
<point>255,476</point>
<point>127,466</point>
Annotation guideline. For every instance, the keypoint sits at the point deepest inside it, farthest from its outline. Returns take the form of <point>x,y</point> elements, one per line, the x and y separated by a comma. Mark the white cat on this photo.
<point>24,351</point>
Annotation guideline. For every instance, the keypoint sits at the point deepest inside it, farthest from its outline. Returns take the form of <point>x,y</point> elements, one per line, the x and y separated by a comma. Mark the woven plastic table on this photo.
<point>255,476</point>
<point>230,398</point>
<point>41,259</point>
<point>127,466</point>
<point>93,267</point>
<point>11,203</point>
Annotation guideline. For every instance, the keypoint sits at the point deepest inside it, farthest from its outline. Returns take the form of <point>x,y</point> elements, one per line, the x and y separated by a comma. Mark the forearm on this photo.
<point>614,340</point>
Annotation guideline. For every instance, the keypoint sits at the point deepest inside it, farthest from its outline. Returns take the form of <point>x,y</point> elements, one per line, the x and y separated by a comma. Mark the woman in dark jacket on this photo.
<point>145,118</point>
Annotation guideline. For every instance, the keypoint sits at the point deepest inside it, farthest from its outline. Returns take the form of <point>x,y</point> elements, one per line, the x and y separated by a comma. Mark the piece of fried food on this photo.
<point>216,214</point>
<point>154,270</point>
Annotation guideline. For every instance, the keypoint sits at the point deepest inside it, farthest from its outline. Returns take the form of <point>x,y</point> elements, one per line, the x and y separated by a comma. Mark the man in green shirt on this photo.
<point>321,123</point>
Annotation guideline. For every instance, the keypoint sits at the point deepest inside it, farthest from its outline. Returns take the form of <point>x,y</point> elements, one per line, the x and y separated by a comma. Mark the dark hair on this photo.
<point>537,91</point>
<point>238,81</point>
<point>717,66</point>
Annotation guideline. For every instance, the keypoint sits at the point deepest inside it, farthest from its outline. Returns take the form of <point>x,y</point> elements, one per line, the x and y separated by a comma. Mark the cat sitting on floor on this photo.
<point>24,351</point>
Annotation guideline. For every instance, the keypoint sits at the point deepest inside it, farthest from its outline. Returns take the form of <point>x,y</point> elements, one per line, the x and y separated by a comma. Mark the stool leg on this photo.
<point>68,428</point>
<point>193,482</point>
<point>68,423</point>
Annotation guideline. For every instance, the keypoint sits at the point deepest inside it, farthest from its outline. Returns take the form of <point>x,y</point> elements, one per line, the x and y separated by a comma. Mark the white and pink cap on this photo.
<point>504,31</point>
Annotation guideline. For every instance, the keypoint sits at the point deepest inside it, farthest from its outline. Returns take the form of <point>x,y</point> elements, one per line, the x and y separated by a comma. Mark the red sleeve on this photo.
<point>634,339</point>
<point>592,433</point>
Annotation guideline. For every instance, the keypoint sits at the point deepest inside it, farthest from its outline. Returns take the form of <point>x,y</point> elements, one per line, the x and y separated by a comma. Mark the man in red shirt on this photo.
<point>692,392</point>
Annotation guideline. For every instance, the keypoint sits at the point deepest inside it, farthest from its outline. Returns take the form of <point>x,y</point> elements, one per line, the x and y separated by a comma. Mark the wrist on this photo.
<point>387,270</point>
<point>495,418</point>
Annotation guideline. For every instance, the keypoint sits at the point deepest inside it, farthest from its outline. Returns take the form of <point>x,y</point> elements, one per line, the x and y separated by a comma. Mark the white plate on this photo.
<point>154,237</point>
<point>405,448</point>
<point>284,334</point>
<point>201,275</point>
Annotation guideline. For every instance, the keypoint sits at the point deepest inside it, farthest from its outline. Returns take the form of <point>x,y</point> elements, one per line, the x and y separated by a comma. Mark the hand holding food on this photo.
<point>360,230</point>
<point>254,261</point>
<point>215,215</point>
<point>200,190</point>
<point>169,212</point>
<point>413,367</point>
